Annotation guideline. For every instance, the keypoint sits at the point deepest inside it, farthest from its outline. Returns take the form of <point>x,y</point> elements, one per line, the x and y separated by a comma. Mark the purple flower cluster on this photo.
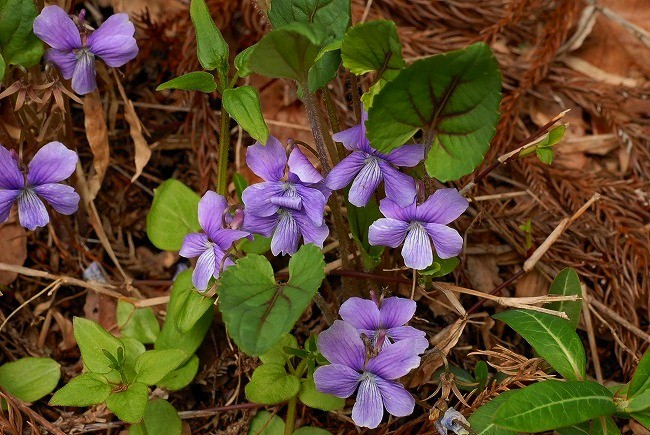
<point>368,167</point>
<point>371,369</point>
<point>290,202</point>
<point>220,231</point>
<point>74,51</point>
<point>51,164</point>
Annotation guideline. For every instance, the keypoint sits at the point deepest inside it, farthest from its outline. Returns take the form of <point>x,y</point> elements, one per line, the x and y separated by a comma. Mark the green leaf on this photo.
<point>580,429</point>
<point>453,98</point>
<point>643,418</point>
<point>182,376</point>
<point>170,337</point>
<point>129,405</point>
<point>211,48</point>
<point>287,52</point>
<point>18,44</point>
<point>153,365</point>
<point>313,398</point>
<point>265,423</point>
<point>567,283</point>
<point>640,402</point>
<point>259,245</point>
<point>133,350</point>
<point>243,104</point>
<point>641,379</point>
<point>160,417</point>
<point>85,390</point>
<point>3,67</point>
<point>481,419</point>
<point>241,62</point>
<point>360,219</point>
<point>240,184</point>
<point>373,46</point>
<point>30,378</point>
<point>258,311</point>
<point>324,69</point>
<point>553,338</point>
<point>603,426</point>
<point>310,430</point>
<point>551,404</point>
<point>92,340</point>
<point>440,267</point>
<point>193,81</point>
<point>138,323</point>
<point>333,15</point>
<point>193,310</point>
<point>277,355</point>
<point>173,215</point>
<point>545,155</point>
<point>271,384</point>
<point>481,374</point>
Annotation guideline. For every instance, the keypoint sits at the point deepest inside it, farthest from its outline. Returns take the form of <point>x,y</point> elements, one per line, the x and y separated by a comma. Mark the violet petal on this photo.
<point>55,27</point>
<point>267,161</point>
<point>113,41</point>
<point>343,173</point>
<point>7,199</point>
<point>387,232</point>
<point>447,241</point>
<point>51,164</point>
<point>395,360</point>
<point>407,155</point>
<point>31,210</point>
<point>443,207</point>
<point>361,313</point>
<point>365,183</point>
<point>204,270</point>
<point>399,187</point>
<point>300,165</point>
<point>368,410</point>
<point>286,236</point>
<point>397,400</point>
<point>10,176</point>
<point>341,344</point>
<point>194,244</point>
<point>336,379</point>
<point>417,250</point>
<point>61,197</point>
<point>83,77</point>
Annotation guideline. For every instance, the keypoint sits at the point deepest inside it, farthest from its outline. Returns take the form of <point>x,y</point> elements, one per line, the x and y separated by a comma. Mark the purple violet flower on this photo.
<point>368,167</point>
<point>51,164</point>
<point>288,204</point>
<point>74,53</point>
<point>384,322</point>
<point>376,376</point>
<point>417,226</point>
<point>211,246</point>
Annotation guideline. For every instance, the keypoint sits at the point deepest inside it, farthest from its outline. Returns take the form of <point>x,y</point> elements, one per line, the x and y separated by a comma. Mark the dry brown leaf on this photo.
<point>142,150</point>
<point>444,341</point>
<point>101,309</point>
<point>97,135</point>
<point>13,247</point>
<point>531,284</point>
<point>483,272</point>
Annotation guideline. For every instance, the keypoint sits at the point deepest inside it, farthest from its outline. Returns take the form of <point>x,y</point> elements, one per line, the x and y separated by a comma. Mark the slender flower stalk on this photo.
<point>351,366</point>
<point>212,246</point>
<point>52,164</point>
<point>74,51</point>
<point>366,167</point>
<point>420,226</point>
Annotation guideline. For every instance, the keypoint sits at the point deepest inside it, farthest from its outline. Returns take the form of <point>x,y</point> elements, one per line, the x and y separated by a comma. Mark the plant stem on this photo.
<point>291,416</point>
<point>224,144</point>
<point>321,139</point>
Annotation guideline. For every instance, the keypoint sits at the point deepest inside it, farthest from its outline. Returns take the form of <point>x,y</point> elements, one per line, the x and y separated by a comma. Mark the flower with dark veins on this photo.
<point>384,322</point>
<point>73,51</point>
<point>366,167</point>
<point>376,376</point>
<point>290,202</point>
<point>420,226</point>
<point>51,164</point>
<point>212,245</point>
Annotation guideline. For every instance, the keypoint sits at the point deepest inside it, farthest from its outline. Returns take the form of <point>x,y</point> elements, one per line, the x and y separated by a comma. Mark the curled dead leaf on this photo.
<point>13,247</point>
<point>97,135</point>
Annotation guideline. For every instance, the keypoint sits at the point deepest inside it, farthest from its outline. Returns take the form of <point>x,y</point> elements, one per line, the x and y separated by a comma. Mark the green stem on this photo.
<point>291,416</point>
<point>224,144</point>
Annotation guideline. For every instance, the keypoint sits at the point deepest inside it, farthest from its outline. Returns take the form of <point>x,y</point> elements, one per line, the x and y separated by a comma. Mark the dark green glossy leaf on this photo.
<point>552,404</point>
<point>481,419</point>
<point>567,283</point>
<point>641,379</point>
<point>287,52</point>
<point>333,15</point>
<point>552,337</point>
<point>257,310</point>
<point>453,98</point>
<point>373,46</point>
<point>243,104</point>
<point>211,48</point>
<point>193,81</point>
<point>241,62</point>
<point>18,44</point>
